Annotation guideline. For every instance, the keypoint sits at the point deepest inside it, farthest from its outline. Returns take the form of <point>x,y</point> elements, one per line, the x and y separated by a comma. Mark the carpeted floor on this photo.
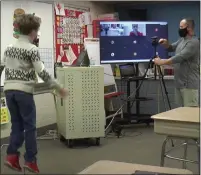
<point>140,145</point>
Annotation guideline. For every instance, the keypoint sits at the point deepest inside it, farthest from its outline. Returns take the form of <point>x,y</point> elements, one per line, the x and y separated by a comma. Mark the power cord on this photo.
<point>109,75</point>
<point>121,90</point>
<point>118,111</point>
<point>132,94</point>
<point>124,133</point>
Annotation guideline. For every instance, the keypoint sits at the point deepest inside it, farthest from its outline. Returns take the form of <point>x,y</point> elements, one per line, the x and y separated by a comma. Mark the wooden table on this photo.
<point>180,123</point>
<point>111,167</point>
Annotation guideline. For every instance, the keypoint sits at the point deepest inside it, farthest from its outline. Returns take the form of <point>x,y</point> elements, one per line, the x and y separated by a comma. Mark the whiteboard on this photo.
<point>46,40</point>
<point>92,45</point>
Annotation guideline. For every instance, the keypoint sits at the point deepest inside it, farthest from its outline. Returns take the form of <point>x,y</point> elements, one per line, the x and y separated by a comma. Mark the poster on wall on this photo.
<point>17,12</point>
<point>4,111</point>
<point>59,9</point>
<point>85,19</point>
<point>69,36</point>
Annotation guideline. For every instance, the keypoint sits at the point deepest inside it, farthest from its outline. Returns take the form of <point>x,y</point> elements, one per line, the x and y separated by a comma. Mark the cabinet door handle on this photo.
<point>61,101</point>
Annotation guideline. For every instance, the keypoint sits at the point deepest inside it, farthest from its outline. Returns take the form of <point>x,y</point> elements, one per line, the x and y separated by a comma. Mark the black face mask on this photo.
<point>36,42</point>
<point>183,32</point>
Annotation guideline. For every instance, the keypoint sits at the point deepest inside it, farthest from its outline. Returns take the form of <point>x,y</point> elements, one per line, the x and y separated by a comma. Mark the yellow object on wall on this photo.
<point>4,112</point>
<point>17,13</point>
<point>117,71</point>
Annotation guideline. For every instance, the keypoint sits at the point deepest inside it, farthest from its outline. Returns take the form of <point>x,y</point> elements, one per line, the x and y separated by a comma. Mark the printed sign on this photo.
<point>4,111</point>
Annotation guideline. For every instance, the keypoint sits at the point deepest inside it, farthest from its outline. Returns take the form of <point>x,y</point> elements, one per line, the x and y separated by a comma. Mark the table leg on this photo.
<point>198,148</point>
<point>163,152</point>
<point>172,142</point>
<point>128,101</point>
<point>185,154</point>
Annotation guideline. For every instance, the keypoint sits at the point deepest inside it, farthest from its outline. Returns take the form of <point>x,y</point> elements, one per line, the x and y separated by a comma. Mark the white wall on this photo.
<point>46,113</point>
<point>46,39</point>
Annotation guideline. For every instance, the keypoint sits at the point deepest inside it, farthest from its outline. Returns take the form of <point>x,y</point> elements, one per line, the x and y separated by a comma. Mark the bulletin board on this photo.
<point>69,36</point>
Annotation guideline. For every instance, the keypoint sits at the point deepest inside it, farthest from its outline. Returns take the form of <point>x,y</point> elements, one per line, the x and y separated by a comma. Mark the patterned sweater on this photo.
<point>22,64</point>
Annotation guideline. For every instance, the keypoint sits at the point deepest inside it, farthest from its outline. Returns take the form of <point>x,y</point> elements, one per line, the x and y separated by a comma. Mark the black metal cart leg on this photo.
<point>62,138</point>
<point>97,141</point>
<point>69,143</point>
<point>198,149</point>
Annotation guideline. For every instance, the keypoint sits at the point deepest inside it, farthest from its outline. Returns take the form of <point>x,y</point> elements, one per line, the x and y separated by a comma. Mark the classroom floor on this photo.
<point>139,145</point>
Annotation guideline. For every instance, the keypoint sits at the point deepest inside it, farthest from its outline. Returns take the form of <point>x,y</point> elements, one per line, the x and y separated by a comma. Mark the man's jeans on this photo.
<point>22,110</point>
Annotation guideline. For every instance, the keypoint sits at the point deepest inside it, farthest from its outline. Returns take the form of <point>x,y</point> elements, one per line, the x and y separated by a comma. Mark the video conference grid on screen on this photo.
<point>123,42</point>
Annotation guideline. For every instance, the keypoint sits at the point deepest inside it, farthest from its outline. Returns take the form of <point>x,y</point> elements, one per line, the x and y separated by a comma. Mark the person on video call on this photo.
<point>135,31</point>
<point>22,61</point>
<point>106,30</point>
<point>186,63</point>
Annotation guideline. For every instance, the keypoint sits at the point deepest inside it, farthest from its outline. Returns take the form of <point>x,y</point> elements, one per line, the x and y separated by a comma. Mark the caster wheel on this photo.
<point>70,143</point>
<point>62,139</point>
<point>97,141</point>
<point>148,124</point>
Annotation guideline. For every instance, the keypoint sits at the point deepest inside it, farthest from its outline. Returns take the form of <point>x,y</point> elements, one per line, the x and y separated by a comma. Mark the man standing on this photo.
<point>186,63</point>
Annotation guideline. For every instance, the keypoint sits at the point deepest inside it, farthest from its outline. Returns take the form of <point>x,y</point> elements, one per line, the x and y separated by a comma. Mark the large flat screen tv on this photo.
<point>130,41</point>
